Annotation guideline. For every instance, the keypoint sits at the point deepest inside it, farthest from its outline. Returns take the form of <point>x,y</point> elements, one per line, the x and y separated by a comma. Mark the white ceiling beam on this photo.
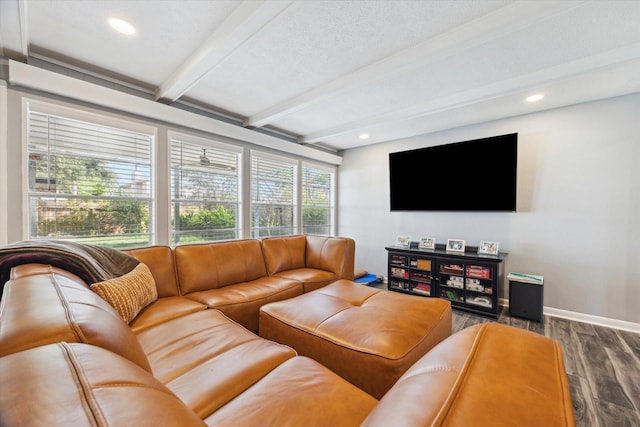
<point>626,55</point>
<point>47,81</point>
<point>496,24</point>
<point>14,33</point>
<point>245,21</point>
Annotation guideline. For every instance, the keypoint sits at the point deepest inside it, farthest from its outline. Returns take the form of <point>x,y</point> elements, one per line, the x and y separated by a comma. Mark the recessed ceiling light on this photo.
<point>535,98</point>
<point>364,136</point>
<point>122,26</point>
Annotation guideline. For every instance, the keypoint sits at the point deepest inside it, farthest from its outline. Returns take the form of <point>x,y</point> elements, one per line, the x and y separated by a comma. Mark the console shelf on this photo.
<point>469,280</point>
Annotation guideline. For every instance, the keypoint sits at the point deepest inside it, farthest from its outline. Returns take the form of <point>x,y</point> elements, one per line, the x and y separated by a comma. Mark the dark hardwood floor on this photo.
<point>603,366</point>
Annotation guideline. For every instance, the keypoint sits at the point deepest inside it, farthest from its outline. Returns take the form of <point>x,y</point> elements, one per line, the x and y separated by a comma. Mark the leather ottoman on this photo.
<point>368,336</point>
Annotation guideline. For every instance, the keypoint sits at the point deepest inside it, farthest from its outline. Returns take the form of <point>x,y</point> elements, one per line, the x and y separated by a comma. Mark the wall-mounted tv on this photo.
<point>476,175</point>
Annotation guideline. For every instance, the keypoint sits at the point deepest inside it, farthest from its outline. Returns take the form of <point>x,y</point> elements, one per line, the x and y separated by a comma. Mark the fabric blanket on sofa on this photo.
<point>91,263</point>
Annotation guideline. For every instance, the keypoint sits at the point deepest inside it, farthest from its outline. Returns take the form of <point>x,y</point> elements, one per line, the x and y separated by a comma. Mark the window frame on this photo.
<point>160,175</point>
<point>212,143</point>
<point>332,193</point>
<point>295,163</point>
<point>93,117</point>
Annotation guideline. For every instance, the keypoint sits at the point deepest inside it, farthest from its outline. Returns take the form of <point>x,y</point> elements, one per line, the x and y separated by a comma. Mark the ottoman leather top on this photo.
<point>349,327</point>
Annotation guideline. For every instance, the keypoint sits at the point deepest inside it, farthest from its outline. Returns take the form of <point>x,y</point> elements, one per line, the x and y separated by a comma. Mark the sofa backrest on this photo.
<point>159,259</point>
<point>284,253</point>
<point>81,385</point>
<point>44,304</point>
<point>207,266</point>
<point>334,254</point>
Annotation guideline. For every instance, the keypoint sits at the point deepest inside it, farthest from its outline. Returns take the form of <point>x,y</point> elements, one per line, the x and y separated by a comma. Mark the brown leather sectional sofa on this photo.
<point>238,277</point>
<point>191,358</point>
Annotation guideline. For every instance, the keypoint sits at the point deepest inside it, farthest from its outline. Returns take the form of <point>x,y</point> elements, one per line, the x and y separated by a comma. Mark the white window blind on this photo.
<point>205,191</point>
<point>88,182</point>
<point>273,201</point>
<point>318,200</point>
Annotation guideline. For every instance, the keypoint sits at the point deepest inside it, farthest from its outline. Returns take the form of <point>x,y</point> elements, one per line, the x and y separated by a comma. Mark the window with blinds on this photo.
<point>318,201</point>
<point>273,200</point>
<point>88,182</point>
<point>205,190</point>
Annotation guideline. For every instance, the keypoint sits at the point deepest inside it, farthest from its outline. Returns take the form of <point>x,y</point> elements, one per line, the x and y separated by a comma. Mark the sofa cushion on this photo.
<point>43,305</point>
<point>163,310</point>
<point>314,260</point>
<point>81,385</point>
<point>129,293</point>
<point>207,266</point>
<point>284,253</point>
<point>159,259</point>
<point>334,254</point>
<point>299,392</point>
<point>242,301</point>
<point>207,360</point>
<point>310,278</point>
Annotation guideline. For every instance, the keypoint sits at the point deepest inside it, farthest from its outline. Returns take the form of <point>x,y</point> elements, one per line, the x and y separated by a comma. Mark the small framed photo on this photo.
<point>488,248</point>
<point>455,245</point>
<point>403,241</point>
<point>428,243</point>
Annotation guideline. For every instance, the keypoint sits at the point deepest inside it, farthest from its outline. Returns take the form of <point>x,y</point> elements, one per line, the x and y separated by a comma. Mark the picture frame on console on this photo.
<point>428,243</point>
<point>488,248</point>
<point>404,241</point>
<point>455,245</point>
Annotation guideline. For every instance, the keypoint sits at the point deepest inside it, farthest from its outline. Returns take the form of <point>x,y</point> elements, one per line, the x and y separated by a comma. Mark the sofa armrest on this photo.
<point>82,385</point>
<point>44,304</point>
<point>487,374</point>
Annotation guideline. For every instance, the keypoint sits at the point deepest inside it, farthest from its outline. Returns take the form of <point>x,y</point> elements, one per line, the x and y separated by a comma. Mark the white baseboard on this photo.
<point>594,320</point>
<point>586,318</point>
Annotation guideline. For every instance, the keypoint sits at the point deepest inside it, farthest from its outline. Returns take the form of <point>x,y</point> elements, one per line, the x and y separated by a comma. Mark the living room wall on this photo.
<point>578,215</point>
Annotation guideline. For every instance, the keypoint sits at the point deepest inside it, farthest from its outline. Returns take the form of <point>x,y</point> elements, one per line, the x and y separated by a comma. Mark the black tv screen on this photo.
<point>477,175</point>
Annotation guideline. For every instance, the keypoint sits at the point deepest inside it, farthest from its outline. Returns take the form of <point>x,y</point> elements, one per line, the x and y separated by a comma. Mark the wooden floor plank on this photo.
<point>607,336</point>
<point>612,415</point>
<point>561,331</point>
<point>584,328</point>
<point>601,373</point>
<point>632,340</point>
<point>583,406</point>
<point>627,373</point>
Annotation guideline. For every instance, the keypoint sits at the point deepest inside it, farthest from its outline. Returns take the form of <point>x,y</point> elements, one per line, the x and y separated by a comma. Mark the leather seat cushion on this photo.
<point>300,392</point>
<point>310,278</point>
<point>242,301</point>
<point>164,310</point>
<point>207,360</point>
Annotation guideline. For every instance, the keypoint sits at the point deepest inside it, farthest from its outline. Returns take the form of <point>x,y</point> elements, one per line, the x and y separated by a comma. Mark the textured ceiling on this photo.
<point>327,71</point>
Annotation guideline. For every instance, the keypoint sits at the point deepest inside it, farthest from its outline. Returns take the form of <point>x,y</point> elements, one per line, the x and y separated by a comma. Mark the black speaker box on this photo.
<point>526,300</point>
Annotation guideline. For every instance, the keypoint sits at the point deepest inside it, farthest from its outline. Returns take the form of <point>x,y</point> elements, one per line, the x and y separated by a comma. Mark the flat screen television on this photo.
<point>476,175</point>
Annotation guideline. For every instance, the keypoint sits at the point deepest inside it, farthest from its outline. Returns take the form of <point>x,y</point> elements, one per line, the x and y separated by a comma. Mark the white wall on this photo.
<point>3,163</point>
<point>578,218</point>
